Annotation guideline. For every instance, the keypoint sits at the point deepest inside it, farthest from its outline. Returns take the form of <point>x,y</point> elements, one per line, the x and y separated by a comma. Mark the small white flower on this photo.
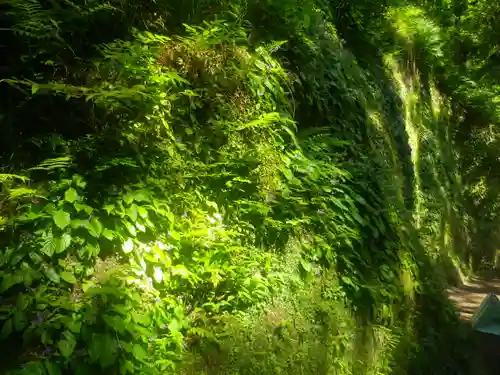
<point>218,217</point>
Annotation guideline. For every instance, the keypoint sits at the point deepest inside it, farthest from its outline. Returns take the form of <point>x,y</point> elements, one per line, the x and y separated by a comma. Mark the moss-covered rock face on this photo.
<point>244,187</point>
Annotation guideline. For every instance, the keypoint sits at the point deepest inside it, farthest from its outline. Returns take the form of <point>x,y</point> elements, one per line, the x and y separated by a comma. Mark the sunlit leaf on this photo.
<point>108,234</point>
<point>6,177</point>
<point>128,246</point>
<point>61,219</point>
<point>52,274</point>
<point>49,245</point>
<point>78,223</point>
<point>68,277</point>
<point>62,242</point>
<point>71,195</point>
<point>142,212</point>
<point>139,352</point>
<point>95,227</point>
<point>131,228</point>
<point>79,181</point>
<point>83,207</point>
<point>132,212</point>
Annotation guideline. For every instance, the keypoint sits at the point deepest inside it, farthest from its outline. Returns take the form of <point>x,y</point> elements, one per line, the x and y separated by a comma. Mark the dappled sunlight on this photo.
<point>471,293</point>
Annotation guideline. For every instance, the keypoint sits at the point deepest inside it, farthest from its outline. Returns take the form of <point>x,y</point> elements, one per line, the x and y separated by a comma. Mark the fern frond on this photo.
<point>7,177</point>
<point>22,192</point>
<point>55,163</point>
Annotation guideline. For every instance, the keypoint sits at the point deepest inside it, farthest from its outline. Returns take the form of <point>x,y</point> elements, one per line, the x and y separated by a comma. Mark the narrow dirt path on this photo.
<point>467,298</point>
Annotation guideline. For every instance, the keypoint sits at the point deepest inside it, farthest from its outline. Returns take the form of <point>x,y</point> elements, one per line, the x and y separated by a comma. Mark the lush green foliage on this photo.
<point>243,187</point>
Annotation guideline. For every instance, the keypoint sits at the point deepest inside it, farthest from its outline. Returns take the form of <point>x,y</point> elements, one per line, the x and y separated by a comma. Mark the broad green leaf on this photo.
<point>115,321</point>
<point>35,257</point>
<point>139,352</point>
<point>83,207</point>
<point>175,235</point>
<point>78,223</point>
<point>108,234</point>
<point>52,368</point>
<point>128,246</point>
<point>49,245</point>
<point>131,229</point>
<point>71,195</point>
<point>95,227</point>
<point>74,326</point>
<point>61,219</point>
<point>68,277</point>
<point>52,274</point>
<point>79,181</point>
<point>132,212</point>
<point>67,344</point>
<point>142,212</point>
<point>128,198</point>
<point>7,329</point>
<point>141,196</point>
<point>10,280</point>
<point>62,243</point>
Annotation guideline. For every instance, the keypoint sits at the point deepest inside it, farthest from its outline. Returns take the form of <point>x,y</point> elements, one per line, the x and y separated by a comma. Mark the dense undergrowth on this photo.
<point>244,187</point>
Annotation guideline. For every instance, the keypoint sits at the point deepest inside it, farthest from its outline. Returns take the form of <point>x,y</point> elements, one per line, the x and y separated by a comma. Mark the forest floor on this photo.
<point>467,298</point>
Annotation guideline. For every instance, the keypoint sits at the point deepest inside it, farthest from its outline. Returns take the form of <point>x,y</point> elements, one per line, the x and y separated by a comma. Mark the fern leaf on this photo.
<point>55,163</point>
<point>6,177</point>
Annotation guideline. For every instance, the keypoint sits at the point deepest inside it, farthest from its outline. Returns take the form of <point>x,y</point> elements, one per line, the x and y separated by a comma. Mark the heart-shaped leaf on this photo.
<point>71,195</point>
<point>67,344</point>
<point>62,243</point>
<point>61,219</point>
